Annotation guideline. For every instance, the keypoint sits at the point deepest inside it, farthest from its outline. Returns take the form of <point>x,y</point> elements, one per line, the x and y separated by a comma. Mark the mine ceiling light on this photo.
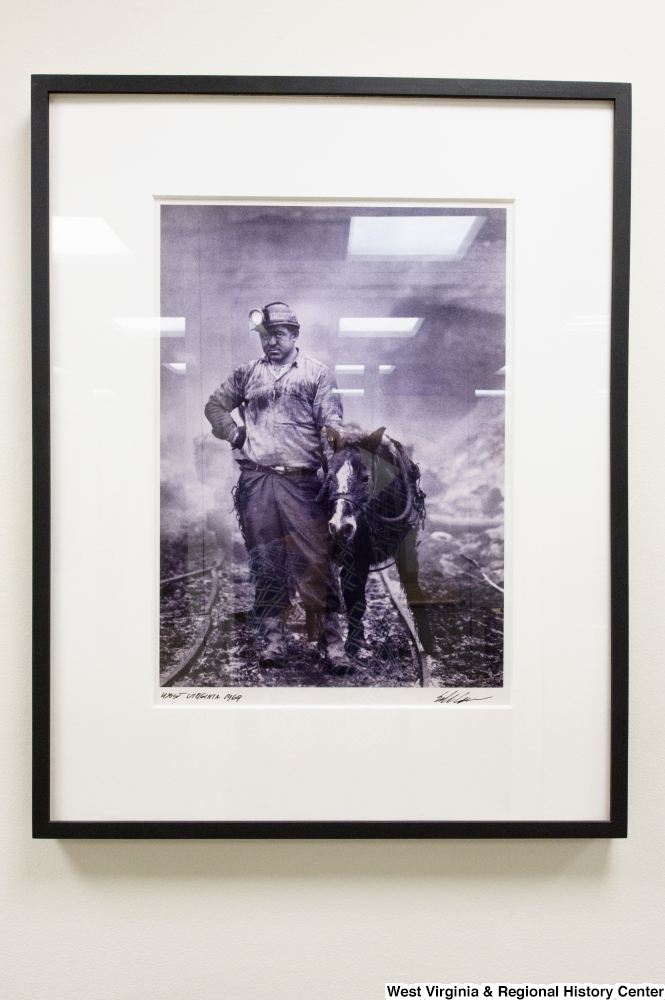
<point>379,326</point>
<point>446,236</point>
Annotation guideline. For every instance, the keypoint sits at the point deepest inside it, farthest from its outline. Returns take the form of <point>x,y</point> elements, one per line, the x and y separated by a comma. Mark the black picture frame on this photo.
<point>43,86</point>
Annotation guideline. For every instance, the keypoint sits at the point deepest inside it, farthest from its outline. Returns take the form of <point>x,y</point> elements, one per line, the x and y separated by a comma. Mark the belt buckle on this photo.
<point>279,469</point>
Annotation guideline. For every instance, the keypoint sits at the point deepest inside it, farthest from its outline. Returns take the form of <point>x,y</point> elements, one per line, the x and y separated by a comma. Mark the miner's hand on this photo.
<point>239,439</point>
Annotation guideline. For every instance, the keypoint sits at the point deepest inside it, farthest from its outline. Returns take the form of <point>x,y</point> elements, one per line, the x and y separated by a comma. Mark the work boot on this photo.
<point>274,654</point>
<point>333,644</point>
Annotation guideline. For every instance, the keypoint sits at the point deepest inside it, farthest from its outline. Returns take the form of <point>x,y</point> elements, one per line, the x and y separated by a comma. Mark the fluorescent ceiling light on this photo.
<point>165,326</point>
<point>411,235</point>
<point>85,235</point>
<point>179,367</point>
<point>103,392</point>
<point>349,392</point>
<point>490,392</point>
<point>379,326</point>
<point>386,369</point>
<point>350,369</point>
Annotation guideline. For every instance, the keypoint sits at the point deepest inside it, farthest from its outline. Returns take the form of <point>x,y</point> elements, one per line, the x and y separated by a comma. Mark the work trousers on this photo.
<point>286,533</point>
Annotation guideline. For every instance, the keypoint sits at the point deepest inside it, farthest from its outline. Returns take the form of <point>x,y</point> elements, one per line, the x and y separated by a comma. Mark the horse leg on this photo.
<point>353,579</point>
<point>355,615</point>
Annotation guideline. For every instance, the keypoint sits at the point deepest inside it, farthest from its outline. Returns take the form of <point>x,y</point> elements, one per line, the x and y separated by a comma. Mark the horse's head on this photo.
<point>347,479</point>
<point>348,492</point>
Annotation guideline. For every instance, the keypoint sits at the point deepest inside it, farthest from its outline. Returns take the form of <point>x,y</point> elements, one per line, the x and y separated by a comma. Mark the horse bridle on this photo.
<point>402,518</point>
<point>349,499</point>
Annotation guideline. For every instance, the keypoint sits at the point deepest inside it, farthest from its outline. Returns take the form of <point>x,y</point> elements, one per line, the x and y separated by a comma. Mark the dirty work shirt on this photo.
<point>284,411</point>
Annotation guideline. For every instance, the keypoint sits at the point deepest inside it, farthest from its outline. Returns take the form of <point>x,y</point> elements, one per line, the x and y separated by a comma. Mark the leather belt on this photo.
<point>279,470</point>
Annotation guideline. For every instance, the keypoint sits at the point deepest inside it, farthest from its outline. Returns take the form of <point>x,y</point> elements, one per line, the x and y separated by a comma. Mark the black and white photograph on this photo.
<point>332,417</point>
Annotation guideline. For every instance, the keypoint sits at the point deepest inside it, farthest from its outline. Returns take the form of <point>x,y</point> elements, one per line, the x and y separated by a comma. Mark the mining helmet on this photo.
<point>274,314</point>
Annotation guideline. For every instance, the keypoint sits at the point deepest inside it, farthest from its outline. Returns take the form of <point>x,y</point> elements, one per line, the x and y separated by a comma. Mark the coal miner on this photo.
<point>286,400</point>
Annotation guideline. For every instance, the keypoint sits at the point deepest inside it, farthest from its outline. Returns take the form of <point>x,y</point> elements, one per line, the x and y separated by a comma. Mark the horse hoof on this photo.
<point>341,668</point>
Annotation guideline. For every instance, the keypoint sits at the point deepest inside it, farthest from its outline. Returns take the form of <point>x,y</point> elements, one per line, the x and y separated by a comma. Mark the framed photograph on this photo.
<point>330,401</point>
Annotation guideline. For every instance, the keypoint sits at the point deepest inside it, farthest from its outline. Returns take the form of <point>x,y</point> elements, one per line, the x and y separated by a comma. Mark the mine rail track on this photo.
<point>398,598</point>
<point>189,657</point>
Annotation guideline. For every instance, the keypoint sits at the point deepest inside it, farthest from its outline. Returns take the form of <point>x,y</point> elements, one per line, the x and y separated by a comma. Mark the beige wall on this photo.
<point>107,920</point>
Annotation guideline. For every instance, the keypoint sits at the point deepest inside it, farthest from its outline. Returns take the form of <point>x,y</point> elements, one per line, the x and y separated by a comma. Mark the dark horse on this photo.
<point>372,491</point>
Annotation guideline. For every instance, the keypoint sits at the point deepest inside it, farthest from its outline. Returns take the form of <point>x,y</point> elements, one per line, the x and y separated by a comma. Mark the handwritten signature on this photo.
<point>458,698</point>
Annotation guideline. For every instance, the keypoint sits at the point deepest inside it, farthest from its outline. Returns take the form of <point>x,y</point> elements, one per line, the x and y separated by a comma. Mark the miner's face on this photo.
<point>278,342</point>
